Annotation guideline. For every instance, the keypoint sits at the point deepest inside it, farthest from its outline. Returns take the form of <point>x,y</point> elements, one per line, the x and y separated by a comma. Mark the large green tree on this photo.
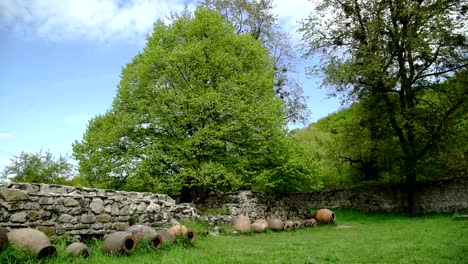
<point>256,17</point>
<point>194,112</point>
<point>39,167</point>
<point>388,55</point>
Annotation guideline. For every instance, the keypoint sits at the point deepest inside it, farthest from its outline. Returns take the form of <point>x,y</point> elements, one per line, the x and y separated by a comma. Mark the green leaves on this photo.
<point>39,168</point>
<point>195,110</point>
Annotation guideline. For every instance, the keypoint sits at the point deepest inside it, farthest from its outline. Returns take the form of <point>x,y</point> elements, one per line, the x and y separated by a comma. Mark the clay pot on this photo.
<point>3,238</point>
<point>275,224</point>
<point>324,216</point>
<point>78,249</point>
<point>32,240</point>
<point>259,226</point>
<point>288,225</point>
<point>179,230</point>
<point>242,223</point>
<point>119,242</point>
<point>298,224</point>
<point>310,222</point>
<point>167,237</point>
<point>145,232</point>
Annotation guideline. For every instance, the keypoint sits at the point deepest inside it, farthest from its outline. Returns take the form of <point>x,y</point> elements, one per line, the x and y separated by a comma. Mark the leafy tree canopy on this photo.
<point>38,168</point>
<point>194,112</point>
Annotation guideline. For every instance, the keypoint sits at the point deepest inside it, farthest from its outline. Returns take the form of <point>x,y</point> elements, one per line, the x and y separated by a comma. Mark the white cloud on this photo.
<point>86,19</point>
<point>6,136</point>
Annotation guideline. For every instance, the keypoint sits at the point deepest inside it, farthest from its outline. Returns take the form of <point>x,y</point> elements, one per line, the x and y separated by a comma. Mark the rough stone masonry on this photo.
<point>56,209</point>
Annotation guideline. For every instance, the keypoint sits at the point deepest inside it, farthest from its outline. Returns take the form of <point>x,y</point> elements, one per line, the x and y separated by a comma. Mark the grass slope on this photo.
<point>372,238</point>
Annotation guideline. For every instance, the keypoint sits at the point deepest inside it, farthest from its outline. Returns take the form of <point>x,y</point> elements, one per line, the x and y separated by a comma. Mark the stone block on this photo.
<point>48,230</point>
<point>19,217</point>
<point>97,206</point>
<point>65,218</point>
<point>104,218</point>
<point>46,200</point>
<point>88,219</point>
<point>34,215</point>
<point>13,194</point>
<point>69,202</point>
<point>119,226</point>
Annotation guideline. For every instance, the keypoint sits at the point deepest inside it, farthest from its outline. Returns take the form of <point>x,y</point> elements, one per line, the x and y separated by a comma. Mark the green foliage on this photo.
<point>194,110</point>
<point>342,143</point>
<point>257,18</point>
<point>39,168</point>
<point>390,55</point>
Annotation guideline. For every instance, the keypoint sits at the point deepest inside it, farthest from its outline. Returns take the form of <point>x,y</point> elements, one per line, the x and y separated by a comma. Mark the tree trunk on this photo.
<point>414,208</point>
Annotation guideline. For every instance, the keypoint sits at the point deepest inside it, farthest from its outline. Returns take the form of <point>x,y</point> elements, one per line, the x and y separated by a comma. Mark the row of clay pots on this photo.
<point>126,241</point>
<point>38,243</point>
<point>243,224</point>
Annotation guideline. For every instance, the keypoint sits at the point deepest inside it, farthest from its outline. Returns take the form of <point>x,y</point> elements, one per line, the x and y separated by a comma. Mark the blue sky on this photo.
<point>61,61</point>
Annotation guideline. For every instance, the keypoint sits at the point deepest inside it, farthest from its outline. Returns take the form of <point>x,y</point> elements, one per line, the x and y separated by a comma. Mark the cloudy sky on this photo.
<point>61,60</point>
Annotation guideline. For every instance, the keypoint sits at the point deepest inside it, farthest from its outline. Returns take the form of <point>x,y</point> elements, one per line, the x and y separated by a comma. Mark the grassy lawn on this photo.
<point>369,238</point>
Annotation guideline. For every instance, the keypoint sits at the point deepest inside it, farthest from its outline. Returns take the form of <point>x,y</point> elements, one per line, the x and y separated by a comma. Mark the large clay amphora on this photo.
<point>275,224</point>
<point>259,226</point>
<point>180,230</point>
<point>324,216</point>
<point>242,223</point>
<point>119,242</point>
<point>78,249</point>
<point>167,237</point>
<point>145,232</point>
<point>32,240</point>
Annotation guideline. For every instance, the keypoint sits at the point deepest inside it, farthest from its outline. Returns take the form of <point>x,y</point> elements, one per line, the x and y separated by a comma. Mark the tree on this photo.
<point>389,55</point>
<point>255,17</point>
<point>194,112</point>
<point>38,168</point>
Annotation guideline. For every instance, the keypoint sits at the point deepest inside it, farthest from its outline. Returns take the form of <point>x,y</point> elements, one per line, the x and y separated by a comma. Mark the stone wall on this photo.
<point>56,209</point>
<point>447,195</point>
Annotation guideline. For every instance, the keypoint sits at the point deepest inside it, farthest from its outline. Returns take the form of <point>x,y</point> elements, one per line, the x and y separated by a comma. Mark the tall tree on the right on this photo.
<point>391,55</point>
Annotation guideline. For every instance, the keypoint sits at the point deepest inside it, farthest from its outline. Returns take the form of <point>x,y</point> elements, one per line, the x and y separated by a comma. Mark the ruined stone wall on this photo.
<point>56,209</point>
<point>447,195</point>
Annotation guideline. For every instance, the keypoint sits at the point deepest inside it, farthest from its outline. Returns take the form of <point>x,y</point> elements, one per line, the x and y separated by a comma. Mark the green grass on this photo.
<point>372,238</point>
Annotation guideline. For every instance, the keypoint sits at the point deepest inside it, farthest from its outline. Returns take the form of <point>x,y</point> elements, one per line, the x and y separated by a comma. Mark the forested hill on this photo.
<point>349,153</point>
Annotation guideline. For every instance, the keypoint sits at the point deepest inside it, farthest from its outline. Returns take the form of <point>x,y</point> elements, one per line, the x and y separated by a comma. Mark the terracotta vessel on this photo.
<point>145,232</point>
<point>242,223</point>
<point>78,249</point>
<point>324,216</point>
<point>288,225</point>
<point>3,238</point>
<point>259,226</point>
<point>310,222</point>
<point>119,242</point>
<point>298,224</point>
<point>275,224</point>
<point>32,240</point>
<point>166,236</point>
<point>180,230</point>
